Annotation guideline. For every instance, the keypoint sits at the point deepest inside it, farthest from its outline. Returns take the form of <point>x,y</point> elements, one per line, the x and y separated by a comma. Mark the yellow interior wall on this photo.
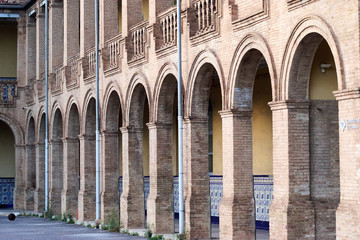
<point>145,141</point>
<point>145,9</point>
<point>262,128</point>
<point>215,98</point>
<point>120,15</point>
<point>321,84</point>
<point>8,49</point>
<point>7,151</point>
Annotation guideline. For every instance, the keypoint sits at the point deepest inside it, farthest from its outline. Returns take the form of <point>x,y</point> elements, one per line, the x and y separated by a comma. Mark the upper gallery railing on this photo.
<point>112,54</point>
<point>72,78</point>
<point>168,26</point>
<point>138,38</point>
<point>206,20</point>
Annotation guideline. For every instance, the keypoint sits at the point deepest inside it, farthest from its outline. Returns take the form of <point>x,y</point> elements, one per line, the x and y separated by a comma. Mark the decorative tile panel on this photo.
<point>263,194</point>
<point>7,186</point>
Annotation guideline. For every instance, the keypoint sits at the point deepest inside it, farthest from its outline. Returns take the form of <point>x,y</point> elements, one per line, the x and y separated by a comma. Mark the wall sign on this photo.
<point>352,124</point>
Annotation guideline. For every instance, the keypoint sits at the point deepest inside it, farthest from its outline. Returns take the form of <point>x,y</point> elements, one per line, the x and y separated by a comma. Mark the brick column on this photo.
<point>20,178</point>
<point>348,211</point>
<point>69,195</point>
<point>291,211</point>
<point>39,196</point>
<point>40,41</point>
<point>56,34</point>
<point>197,202</point>
<point>30,177</point>
<point>132,208</point>
<point>55,175</point>
<point>31,48</point>
<point>160,215</point>
<point>87,195</point>
<point>109,177</point>
<point>71,28</point>
<point>237,216</point>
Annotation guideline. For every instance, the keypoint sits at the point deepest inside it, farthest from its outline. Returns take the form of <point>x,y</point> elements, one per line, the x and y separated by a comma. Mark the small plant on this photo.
<point>55,217</point>
<point>89,226</point>
<point>181,236</point>
<point>157,237</point>
<point>112,222</point>
<point>148,233</point>
<point>70,219</point>
<point>42,215</point>
<point>124,231</point>
<point>64,218</point>
<point>49,214</point>
<point>134,234</point>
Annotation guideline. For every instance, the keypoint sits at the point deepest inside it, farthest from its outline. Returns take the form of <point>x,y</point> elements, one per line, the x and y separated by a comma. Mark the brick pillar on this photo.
<point>69,195</point>
<point>20,177</point>
<point>160,215</point>
<point>132,208</point>
<point>348,211</point>
<point>55,175</point>
<point>110,172</point>
<point>30,179</point>
<point>87,28</point>
<point>197,202</point>
<point>71,28</point>
<point>31,48</point>
<point>291,211</point>
<point>40,42</point>
<point>237,216</point>
<point>39,196</point>
<point>56,34</point>
<point>87,196</point>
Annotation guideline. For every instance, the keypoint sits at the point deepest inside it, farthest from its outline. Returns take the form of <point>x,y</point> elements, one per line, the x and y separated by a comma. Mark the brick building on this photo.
<point>270,95</point>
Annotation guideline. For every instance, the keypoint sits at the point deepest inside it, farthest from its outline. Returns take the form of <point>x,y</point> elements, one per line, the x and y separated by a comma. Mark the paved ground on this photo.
<point>34,228</point>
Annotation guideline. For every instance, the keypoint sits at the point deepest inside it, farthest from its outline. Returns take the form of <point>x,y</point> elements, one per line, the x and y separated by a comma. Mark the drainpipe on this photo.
<point>97,113</point>
<point>46,111</point>
<point>180,123</point>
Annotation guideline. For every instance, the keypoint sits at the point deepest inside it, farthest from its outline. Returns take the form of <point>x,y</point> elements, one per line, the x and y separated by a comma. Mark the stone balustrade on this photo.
<point>168,28</point>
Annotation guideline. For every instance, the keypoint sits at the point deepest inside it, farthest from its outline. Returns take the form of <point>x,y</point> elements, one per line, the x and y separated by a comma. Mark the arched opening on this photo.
<point>262,147</point>
<point>71,186</point>
<point>87,195</point>
<point>112,167</point>
<point>163,198</point>
<point>245,204</point>
<point>39,199</point>
<point>56,164</point>
<point>7,161</point>
<point>324,142</point>
<point>205,156</point>
<point>312,79</point>
<point>30,166</point>
<point>135,160</point>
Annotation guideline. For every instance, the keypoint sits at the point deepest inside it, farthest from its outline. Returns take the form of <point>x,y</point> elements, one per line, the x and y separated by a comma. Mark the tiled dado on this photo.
<point>7,186</point>
<point>263,195</point>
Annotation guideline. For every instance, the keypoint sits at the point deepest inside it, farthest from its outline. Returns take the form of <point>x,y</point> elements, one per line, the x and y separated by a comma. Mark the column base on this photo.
<point>237,218</point>
<point>160,215</point>
<point>132,211</point>
<point>292,220</point>
<point>347,220</point>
